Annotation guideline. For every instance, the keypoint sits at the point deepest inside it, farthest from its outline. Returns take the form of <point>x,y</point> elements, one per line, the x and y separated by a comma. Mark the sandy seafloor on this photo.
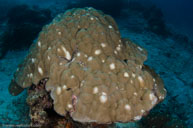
<point>169,58</point>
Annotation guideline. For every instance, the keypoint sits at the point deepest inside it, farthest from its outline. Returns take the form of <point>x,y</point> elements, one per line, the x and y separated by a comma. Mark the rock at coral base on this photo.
<point>42,113</point>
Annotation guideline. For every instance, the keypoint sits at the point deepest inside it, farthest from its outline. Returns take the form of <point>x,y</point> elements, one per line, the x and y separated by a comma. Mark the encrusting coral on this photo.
<point>94,74</point>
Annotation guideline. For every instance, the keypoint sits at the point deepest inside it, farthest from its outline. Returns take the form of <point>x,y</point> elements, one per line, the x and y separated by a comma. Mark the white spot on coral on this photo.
<point>60,63</point>
<point>27,75</point>
<point>140,48</point>
<point>135,93</point>
<point>64,87</point>
<point>23,83</point>
<point>69,105</point>
<point>58,90</point>
<point>33,60</point>
<point>48,57</point>
<point>39,44</point>
<point>85,56</point>
<point>30,75</point>
<point>91,18</point>
<point>133,75</point>
<point>120,41</point>
<point>137,118</point>
<point>153,98</point>
<point>141,80</point>
<point>103,45</point>
<point>95,90</point>
<point>118,48</point>
<point>112,66</point>
<point>67,54</point>
<point>128,107</point>
<point>78,54</point>
<point>82,83</point>
<point>78,26</point>
<point>58,50</point>
<point>90,58</point>
<point>115,52</point>
<point>161,97</point>
<point>110,26</point>
<point>103,97</point>
<point>97,52</point>
<point>40,70</point>
<point>126,74</point>
<point>142,111</point>
<point>131,81</point>
<point>153,80</point>
<point>59,33</point>
<point>72,76</point>
<point>140,66</point>
<point>103,61</point>
<point>49,48</point>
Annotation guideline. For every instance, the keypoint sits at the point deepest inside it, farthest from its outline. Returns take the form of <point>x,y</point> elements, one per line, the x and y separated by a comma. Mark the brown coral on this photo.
<point>94,74</point>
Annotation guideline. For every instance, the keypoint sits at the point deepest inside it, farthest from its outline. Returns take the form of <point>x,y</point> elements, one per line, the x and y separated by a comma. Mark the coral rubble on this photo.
<point>94,75</point>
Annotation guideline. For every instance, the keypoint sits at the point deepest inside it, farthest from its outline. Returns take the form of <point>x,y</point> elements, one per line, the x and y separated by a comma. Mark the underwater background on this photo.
<point>163,27</point>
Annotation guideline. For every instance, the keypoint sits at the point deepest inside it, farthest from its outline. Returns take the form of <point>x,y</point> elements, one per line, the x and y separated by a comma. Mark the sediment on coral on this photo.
<point>93,75</point>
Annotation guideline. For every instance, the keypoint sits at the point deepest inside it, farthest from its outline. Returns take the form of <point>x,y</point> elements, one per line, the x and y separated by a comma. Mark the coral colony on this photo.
<point>91,72</point>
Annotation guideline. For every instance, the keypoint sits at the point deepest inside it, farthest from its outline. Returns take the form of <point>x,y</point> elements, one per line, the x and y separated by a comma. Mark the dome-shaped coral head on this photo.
<point>94,74</point>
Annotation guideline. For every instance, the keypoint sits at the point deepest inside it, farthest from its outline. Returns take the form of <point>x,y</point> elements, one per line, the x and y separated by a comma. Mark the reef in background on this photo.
<point>22,27</point>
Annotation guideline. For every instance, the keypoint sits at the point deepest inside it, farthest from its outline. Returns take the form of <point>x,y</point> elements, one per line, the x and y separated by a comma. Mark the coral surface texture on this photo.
<point>93,74</point>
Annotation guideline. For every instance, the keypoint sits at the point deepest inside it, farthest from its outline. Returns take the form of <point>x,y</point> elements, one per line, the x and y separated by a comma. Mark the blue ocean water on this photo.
<point>164,28</point>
